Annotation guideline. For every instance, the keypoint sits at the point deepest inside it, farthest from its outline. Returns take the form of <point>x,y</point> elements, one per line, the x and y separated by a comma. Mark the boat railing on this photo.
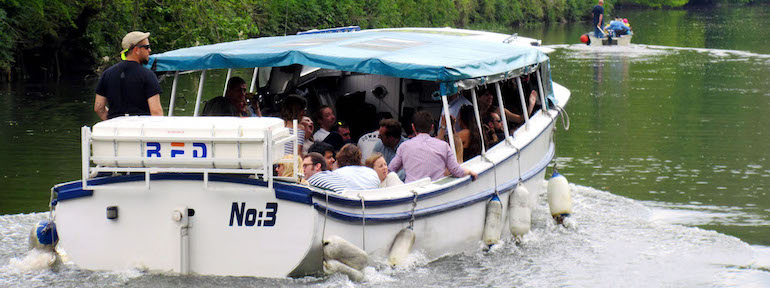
<point>204,166</point>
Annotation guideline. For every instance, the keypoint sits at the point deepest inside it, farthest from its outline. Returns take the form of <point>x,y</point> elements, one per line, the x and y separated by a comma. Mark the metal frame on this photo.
<point>267,162</point>
<point>523,104</point>
<point>200,94</point>
<point>478,120</point>
<point>502,111</point>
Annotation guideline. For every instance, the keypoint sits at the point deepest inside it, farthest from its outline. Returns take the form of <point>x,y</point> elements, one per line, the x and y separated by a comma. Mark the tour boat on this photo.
<point>196,195</point>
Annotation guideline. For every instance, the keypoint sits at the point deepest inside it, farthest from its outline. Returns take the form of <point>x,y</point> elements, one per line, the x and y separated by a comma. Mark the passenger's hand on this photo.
<point>473,175</point>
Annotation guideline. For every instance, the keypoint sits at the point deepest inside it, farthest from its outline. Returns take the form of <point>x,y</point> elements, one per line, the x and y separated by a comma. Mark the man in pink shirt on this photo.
<point>425,156</point>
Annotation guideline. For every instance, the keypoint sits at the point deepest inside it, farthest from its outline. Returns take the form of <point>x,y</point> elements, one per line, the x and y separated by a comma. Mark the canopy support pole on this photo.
<point>543,104</point>
<point>523,104</point>
<point>502,110</point>
<point>172,101</point>
<point>229,73</point>
<point>478,121</point>
<point>200,94</point>
<point>253,80</point>
<point>448,123</point>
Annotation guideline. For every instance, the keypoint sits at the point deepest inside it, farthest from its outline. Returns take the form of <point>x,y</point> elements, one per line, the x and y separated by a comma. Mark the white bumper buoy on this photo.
<point>559,199</point>
<point>519,213</point>
<point>332,266</point>
<point>401,246</point>
<point>336,248</point>
<point>493,222</point>
<point>43,236</point>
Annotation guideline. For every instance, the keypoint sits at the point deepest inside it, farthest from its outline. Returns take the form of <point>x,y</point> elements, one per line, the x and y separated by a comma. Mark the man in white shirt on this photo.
<point>357,176</point>
<point>325,119</point>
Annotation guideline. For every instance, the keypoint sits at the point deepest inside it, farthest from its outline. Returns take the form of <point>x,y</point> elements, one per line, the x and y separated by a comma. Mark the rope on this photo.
<point>51,215</point>
<point>563,112</point>
<point>518,160</point>
<point>363,221</point>
<point>326,216</point>
<point>494,173</point>
<point>414,205</point>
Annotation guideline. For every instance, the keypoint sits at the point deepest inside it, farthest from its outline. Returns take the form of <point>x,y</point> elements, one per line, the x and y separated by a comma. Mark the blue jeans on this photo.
<point>598,32</point>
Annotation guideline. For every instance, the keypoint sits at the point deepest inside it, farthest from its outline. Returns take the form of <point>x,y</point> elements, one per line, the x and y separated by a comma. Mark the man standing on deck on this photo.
<point>598,14</point>
<point>128,87</point>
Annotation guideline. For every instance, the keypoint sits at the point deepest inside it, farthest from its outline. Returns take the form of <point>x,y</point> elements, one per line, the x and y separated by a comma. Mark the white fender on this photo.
<point>336,248</point>
<point>401,246</point>
<point>559,199</point>
<point>519,212</point>
<point>332,266</point>
<point>493,222</point>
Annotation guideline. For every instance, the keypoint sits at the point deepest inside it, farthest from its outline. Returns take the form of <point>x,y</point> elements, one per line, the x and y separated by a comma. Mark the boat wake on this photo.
<point>643,51</point>
<point>616,241</point>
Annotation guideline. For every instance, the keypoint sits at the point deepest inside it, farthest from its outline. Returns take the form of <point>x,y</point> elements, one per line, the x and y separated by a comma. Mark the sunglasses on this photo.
<point>146,46</point>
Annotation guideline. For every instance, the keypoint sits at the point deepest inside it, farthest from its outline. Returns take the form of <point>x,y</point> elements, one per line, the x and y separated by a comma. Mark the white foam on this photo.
<point>33,260</point>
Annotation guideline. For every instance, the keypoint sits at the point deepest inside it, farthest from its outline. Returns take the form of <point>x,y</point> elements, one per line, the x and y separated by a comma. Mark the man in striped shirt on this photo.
<point>314,167</point>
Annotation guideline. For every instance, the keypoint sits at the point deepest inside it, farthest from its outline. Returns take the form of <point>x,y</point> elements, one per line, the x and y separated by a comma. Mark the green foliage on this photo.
<point>6,42</point>
<point>662,3</point>
<point>96,27</point>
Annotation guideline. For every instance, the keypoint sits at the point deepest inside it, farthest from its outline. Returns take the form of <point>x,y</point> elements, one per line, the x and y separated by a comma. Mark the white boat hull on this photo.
<point>624,40</point>
<point>231,233</point>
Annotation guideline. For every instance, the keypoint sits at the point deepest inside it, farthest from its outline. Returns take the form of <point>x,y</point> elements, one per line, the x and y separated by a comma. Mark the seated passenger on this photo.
<point>424,156</point>
<point>444,135</point>
<point>344,130</point>
<point>233,103</point>
<point>617,28</point>
<point>469,135</point>
<point>390,139</point>
<point>357,176</point>
<point>486,104</point>
<point>285,167</point>
<point>377,162</point>
<point>495,125</point>
<point>293,108</point>
<point>316,174</point>
<point>325,120</point>
<point>340,135</point>
<point>327,151</point>
<point>307,123</point>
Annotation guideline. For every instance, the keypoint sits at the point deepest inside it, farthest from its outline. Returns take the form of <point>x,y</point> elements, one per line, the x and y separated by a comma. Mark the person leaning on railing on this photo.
<point>425,156</point>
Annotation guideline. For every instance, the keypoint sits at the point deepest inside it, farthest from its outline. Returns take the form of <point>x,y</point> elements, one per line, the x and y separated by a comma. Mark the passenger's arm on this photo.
<point>396,164</point>
<point>155,108</point>
<point>532,100</point>
<point>598,25</point>
<point>451,164</point>
<point>100,106</point>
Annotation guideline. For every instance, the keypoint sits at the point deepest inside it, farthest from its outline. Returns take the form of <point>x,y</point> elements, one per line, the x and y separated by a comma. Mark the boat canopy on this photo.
<point>422,56</point>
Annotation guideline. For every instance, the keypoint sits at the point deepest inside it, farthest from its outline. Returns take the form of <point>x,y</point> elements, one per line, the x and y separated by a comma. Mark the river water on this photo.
<point>667,153</point>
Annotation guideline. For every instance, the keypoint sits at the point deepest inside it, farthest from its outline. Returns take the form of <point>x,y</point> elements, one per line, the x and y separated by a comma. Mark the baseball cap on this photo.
<point>133,38</point>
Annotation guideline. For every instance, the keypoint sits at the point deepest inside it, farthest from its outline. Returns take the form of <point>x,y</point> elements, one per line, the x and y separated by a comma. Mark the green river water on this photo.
<point>678,122</point>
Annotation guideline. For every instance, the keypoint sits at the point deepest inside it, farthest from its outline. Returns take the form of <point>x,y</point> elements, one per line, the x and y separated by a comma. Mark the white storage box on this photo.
<point>187,142</point>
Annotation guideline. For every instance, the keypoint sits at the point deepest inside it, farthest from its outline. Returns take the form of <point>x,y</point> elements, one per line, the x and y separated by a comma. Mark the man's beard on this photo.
<point>145,61</point>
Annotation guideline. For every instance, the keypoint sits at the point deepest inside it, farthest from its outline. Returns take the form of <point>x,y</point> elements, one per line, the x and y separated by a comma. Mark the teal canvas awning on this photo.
<point>422,56</point>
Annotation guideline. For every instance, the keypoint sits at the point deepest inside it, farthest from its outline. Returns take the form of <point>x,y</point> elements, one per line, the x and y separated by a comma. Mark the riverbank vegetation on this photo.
<point>46,39</point>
